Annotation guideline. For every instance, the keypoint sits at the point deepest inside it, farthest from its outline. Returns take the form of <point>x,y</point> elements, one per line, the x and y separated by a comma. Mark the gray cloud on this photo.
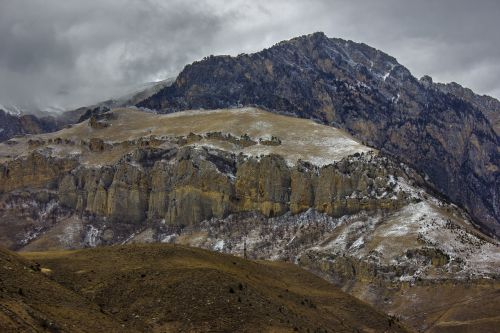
<point>71,53</point>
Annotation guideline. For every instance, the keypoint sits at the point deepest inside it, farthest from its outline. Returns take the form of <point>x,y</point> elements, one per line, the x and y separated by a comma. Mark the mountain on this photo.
<point>319,152</point>
<point>445,136</point>
<point>158,288</point>
<point>12,125</point>
<point>16,121</point>
<point>136,95</point>
<point>259,185</point>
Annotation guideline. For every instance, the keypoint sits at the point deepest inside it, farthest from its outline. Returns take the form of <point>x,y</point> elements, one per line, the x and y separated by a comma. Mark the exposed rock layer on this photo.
<point>187,185</point>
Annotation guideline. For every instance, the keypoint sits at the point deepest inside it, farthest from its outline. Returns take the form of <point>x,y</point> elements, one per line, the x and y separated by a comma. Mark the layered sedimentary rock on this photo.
<point>33,171</point>
<point>275,187</point>
<point>187,185</point>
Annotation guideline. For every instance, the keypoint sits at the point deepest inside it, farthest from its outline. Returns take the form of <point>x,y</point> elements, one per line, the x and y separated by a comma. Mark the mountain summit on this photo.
<point>442,134</point>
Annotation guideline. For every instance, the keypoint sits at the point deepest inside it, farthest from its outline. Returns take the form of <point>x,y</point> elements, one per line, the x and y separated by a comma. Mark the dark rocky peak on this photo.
<point>426,81</point>
<point>488,106</point>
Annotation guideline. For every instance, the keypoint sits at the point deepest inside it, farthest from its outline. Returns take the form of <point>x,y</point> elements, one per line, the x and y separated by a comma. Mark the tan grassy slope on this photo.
<point>300,138</point>
<point>158,288</point>
<point>31,302</point>
<point>460,309</point>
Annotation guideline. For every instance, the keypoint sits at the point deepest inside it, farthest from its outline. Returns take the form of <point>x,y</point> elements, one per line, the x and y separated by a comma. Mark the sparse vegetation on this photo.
<point>151,288</point>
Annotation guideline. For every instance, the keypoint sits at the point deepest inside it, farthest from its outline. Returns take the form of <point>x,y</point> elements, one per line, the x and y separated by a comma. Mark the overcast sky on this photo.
<point>68,53</point>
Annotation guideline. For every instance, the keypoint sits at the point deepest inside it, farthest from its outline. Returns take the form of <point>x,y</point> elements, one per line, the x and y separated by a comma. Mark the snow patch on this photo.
<point>358,243</point>
<point>91,236</point>
<point>219,245</point>
<point>387,74</point>
<point>169,238</point>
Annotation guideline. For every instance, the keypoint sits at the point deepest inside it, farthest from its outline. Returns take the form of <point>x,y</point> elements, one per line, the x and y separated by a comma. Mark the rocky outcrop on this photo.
<point>366,92</point>
<point>184,186</point>
<point>36,170</point>
<point>363,222</point>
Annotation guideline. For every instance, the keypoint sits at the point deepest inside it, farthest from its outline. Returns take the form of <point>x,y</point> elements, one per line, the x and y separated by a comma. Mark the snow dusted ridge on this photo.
<point>427,239</point>
<point>12,109</point>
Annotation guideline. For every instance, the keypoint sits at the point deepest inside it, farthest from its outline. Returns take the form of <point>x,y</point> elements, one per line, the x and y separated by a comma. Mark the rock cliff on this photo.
<point>184,186</point>
<point>181,178</point>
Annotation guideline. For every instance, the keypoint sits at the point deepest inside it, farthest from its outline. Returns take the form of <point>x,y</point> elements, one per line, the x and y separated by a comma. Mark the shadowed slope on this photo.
<point>31,302</point>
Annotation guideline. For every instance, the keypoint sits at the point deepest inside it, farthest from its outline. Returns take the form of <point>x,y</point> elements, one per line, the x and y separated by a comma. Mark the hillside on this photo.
<point>298,139</point>
<point>157,288</point>
<point>257,184</point>
<point>32,302</point>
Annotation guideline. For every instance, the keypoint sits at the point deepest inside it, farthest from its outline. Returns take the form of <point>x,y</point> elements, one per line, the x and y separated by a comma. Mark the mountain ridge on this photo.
<point>369,94</point>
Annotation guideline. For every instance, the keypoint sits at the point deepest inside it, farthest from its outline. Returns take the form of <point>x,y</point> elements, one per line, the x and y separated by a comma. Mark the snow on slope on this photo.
<point>12,109</point>
<point>427,239</point>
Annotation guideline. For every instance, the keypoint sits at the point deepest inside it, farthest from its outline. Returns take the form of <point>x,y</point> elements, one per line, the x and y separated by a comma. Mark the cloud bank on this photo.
<point>65,54</point>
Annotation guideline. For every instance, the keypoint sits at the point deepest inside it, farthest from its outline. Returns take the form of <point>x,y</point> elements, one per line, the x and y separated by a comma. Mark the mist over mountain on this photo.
<point>67,56</point>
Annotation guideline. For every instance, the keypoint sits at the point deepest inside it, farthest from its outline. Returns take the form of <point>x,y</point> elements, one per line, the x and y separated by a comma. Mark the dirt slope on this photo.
<point>160,288</point>
<point>32,302</point>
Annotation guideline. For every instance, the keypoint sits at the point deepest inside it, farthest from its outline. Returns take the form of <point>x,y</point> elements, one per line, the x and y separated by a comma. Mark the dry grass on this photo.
<point>163,287</point>
<point>451,306</point>
<point>31,302</point>
<point>301,139</point>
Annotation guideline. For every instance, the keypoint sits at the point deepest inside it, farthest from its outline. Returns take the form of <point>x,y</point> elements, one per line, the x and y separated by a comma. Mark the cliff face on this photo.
<point>37,170</point>
<point>489,106</point>
<point>184,186</point>
<point>366,92</point>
